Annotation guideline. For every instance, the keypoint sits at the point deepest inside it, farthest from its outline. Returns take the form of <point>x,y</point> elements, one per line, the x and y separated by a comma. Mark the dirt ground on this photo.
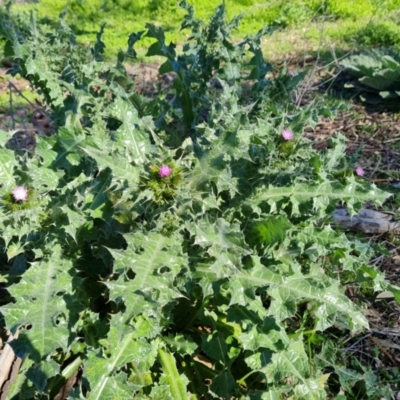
<point>373,136</point>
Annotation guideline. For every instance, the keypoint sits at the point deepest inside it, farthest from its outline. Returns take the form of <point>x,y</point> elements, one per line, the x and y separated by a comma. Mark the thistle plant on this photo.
<point>182,256</point>
<point>19,198</point>
<point>163,181</point>
<point>287,142</point>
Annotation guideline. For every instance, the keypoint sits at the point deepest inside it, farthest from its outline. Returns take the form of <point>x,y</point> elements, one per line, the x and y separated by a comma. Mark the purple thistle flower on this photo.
<point>20,193</point>
<point>287,134</point>
<point>360,171</point>
<point>291,73</point>
<point>164,171</point>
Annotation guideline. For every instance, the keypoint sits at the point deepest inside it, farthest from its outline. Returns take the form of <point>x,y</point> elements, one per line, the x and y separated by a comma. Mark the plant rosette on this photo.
<point>164,180</point>
<point>287,142</point>
<point>20,198</point>
<point>225,255</point>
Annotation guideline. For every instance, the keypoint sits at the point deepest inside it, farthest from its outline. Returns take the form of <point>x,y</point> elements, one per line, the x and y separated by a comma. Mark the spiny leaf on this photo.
<point>121,172</point>
<point>43,307</point>
<point>7,165</point>
<point>266,335</point>
<point>271,395</point>
<point>103,371</point>
<point>38,66</point>
<point>96,201</point>
<point>268,232</point>
<point>244,283</point>
<point>135,141</point>
<point>155,260</point>
<point>321,195</point>
<point>181,344</point>
<point>291,362</point>
<point>223,385</point>
<point>312,389</point>
<point>327,358</point>
<point>219,233</point>
<point>330,302</point>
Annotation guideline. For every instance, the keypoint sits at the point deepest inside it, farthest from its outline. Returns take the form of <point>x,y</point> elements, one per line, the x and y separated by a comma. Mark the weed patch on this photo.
<point>179,246</point>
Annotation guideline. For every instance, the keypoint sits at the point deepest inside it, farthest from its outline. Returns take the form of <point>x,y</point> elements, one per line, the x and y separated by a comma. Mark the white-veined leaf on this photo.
<point>42,307</point>
<point>7,165</point>
<point>103,371</point>
<point>133,139</point>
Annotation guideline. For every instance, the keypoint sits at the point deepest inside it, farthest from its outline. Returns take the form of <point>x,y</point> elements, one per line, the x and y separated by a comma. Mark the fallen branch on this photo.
<point>368,221</point>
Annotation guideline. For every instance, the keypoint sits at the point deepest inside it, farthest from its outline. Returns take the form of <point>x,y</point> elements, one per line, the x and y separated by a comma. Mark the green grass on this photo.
<point>349,21</point>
